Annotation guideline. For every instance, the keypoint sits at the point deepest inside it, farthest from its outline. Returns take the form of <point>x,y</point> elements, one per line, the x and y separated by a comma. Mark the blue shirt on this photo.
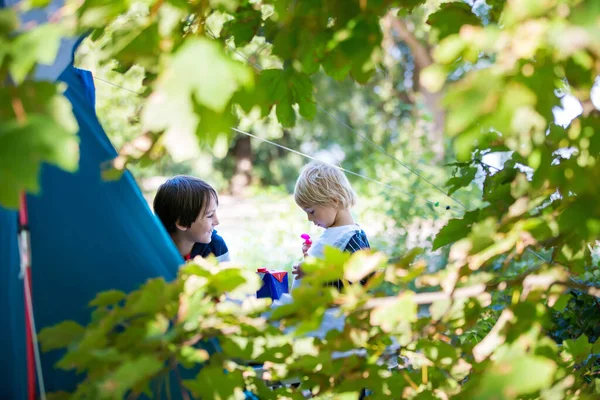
<point>216,247</point>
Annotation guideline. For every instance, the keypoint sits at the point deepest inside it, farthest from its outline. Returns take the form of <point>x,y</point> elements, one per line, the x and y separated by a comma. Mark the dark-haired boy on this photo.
<point>187,207</point>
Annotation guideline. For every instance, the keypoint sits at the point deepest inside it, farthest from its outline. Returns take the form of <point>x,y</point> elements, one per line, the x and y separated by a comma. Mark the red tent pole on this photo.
<point>33,358</point>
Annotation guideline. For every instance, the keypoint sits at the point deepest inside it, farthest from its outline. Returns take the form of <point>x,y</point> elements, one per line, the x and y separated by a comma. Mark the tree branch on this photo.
<point>530,282</point>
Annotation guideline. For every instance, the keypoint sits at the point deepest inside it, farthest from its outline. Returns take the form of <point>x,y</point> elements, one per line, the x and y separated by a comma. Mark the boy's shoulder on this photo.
<point>217,247</point>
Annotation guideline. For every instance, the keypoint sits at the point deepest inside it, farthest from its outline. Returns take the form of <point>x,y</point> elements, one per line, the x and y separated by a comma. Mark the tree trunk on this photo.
<point>422,59</point>
<point>242,177</point>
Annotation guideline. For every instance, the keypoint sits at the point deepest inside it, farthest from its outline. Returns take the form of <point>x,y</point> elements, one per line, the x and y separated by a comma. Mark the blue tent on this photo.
<point>87,235</point>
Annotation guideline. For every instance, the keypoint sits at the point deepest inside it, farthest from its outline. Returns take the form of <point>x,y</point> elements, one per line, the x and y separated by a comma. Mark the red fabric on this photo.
<point>280,275</point>
<point>23,219</point>
<point>187,257</point>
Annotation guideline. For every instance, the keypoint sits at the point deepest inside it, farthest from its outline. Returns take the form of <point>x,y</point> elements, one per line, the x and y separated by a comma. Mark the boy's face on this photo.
<point>323,216</point>
<point>202,228</point>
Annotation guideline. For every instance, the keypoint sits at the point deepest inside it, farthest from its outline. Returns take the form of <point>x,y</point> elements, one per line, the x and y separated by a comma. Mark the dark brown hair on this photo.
<point>181,200</point>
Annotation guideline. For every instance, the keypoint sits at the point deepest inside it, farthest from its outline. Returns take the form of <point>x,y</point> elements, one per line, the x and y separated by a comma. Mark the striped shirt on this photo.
<point>350,238</point>
<point>358,242</point>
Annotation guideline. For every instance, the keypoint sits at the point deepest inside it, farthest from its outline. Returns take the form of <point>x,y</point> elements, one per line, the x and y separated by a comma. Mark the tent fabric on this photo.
<point>87,235</point>
<point>13,368</point>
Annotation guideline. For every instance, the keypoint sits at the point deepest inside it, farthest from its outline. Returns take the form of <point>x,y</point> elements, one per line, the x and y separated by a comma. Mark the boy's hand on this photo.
<point>297,270</point>
<point>305,247</point>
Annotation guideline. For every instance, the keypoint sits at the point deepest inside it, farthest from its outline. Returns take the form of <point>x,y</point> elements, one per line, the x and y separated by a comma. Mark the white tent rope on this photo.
<point>378,147</point>
<point>345,170</point>
<point>435,204</point>
<point>334,166</point>
<point>351,129</point>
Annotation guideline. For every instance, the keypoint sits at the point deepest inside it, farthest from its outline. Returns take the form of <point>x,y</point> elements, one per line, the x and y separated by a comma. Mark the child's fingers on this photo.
<point>297,270</point>
<point>305,248</point>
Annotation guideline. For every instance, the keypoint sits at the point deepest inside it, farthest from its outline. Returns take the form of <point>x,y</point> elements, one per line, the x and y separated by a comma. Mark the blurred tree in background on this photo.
<point>508,306</point>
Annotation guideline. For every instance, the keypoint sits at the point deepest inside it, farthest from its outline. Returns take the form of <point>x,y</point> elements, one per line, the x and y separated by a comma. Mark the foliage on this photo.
<point>514,312</point>
<point>137,342</point>
<point>37,123</point>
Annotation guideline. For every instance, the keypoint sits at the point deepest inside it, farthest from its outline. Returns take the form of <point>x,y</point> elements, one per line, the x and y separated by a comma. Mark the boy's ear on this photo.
<point>180,227</point>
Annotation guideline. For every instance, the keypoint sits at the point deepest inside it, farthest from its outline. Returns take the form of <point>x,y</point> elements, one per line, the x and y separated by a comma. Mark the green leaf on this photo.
<point>199,73</point>
<point>362,264</point>
<point>447,52</point>
<point>395,316</point>
<point>562,302</point>
<point>190,356</point>
<point>213,125</point>
<point>516,377</point>
<point>337,65</point>
<point>577,350</point>
<point>37,46</point>
<point>215,383</point>
<point>451,17</point>
<point>244,26</point>
<point>455,230</point>
<point>227,280</point>
<point>149,299</point>
<point>45,132</point>
<point>99,13</point>
<point>303,95</point>
<point>108,298</point>
<point>283,89</point>
<point>129,375</point>
<point>285,114</point>
<point>409,5</point>
<point>433,77</point>
<point>457,182</point>
<point>60,336</point>
<point>9,21</point>
<point>140,45</point>
<point>470,98</point>
<point>225,5</point>
<point>202,69</point>
<point>439,352</point>
<point>108,354</point>
<point>37,3</point>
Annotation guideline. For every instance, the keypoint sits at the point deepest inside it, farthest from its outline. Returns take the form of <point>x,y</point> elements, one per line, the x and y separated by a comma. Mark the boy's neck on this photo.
<point>342,218</point>
<point>184,246</point>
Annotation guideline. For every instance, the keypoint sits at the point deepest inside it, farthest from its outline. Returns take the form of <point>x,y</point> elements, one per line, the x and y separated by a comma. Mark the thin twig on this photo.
<point>184,394</point>
<point>17,106</point>
<point>410,381</point>
<point>532,281</point>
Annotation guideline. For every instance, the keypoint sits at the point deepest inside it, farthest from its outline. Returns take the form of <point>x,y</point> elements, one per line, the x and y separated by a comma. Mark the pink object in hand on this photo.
<point>306,238</point>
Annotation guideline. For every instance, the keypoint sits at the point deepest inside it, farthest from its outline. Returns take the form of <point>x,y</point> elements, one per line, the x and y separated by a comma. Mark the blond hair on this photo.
<point>320,184</point>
